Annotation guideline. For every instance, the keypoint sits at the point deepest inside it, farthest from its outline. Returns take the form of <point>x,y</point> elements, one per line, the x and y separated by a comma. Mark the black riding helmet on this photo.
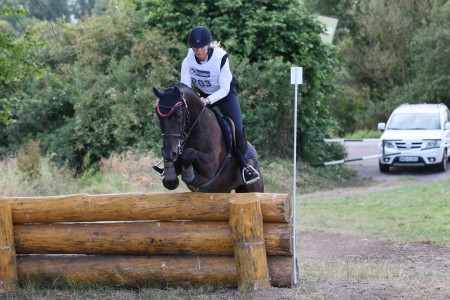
<point>199,37</point>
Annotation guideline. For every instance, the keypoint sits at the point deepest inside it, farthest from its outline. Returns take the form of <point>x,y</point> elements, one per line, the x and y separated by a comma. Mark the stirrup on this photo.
<point>157,169</point>
<point>251,169</point>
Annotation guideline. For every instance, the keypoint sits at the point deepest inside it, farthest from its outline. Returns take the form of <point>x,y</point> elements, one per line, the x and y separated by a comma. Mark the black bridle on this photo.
<point>186,128</point>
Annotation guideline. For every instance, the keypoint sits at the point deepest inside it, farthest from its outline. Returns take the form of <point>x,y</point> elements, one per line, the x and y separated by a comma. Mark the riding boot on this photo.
<point>249,174</point>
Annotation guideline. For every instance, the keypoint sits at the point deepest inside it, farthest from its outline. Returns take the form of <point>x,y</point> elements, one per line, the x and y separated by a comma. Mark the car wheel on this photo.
<point>383,168</point>
<point>442,166</point>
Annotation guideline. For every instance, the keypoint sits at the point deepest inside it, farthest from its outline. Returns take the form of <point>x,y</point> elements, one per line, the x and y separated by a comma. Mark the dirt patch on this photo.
<point>422,256</point>
<point>405,271</point>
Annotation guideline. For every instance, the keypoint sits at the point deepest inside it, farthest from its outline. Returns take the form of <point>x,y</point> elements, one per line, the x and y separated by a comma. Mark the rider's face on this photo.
<point>201,53</point>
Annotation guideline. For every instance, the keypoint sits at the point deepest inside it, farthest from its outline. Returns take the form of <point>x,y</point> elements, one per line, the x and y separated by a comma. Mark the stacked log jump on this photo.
<point>242,240</point>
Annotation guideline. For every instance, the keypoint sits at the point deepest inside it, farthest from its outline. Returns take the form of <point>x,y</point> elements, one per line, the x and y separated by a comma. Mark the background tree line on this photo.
<point>94,95</point>
<point>390,52</point>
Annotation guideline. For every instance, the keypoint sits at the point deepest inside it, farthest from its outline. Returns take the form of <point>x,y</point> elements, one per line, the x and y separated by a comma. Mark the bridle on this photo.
<point>186,128</point>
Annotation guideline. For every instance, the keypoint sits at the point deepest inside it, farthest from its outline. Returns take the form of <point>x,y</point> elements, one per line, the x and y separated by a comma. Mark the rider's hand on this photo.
<point>205,101</point>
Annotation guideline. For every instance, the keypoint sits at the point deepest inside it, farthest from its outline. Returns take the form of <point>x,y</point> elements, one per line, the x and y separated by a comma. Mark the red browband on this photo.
<point>168,114</point>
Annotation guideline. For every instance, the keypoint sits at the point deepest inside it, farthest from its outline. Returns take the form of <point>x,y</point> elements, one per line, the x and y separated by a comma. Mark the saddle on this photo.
<point>228,130</point>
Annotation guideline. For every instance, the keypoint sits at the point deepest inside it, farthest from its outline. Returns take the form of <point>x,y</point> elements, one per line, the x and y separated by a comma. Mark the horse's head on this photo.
<point>173,116</point>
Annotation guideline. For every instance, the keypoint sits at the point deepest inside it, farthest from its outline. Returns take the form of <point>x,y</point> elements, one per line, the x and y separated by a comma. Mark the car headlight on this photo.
<point>431,144</point>
<point>389,145</point>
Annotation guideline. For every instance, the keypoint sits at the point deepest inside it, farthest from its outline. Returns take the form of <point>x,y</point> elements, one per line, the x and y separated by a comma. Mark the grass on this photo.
<point>406,212</point>
<point>122,173</point>
<point>412,213</point>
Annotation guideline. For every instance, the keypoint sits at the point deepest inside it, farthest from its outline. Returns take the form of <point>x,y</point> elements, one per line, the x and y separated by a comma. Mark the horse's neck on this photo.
<point>195,108</point>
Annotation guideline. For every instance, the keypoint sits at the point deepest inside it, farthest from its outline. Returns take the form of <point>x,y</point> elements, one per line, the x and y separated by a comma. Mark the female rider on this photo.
<point>207,65</point>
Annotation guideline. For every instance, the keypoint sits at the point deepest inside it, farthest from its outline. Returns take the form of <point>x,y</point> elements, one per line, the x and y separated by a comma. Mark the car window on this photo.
<point>425,121</point>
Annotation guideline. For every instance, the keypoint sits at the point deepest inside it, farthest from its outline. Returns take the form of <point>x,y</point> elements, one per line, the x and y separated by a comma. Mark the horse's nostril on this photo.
<point>174,156</point>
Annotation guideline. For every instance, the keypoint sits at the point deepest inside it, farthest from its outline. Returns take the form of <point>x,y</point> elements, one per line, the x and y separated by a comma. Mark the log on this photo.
<point>8,265</point>
<point>246,226</point>
<point>140,206</point>
<point>168,237</point>
<point>144,270</point>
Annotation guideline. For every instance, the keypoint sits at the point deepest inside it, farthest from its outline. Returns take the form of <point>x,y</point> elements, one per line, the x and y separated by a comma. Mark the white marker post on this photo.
<point>296,79</point>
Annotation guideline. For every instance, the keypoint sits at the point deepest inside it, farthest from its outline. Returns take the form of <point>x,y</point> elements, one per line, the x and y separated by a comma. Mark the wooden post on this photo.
<point>8,265</point>
<point>246,225</point>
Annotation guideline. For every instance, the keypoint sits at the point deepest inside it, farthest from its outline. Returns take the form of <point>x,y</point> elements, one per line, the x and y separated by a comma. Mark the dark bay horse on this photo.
<point>195,146</point>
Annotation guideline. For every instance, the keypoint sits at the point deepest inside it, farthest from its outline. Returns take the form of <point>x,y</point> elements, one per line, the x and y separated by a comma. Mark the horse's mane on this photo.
<point>189,94</point>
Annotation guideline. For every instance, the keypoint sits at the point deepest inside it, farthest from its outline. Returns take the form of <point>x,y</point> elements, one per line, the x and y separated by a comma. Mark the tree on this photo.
<point>381,57</point>
<point>15,62</point>
<point>430,60</point>
<point>267,37</point>
<point>96,96</point>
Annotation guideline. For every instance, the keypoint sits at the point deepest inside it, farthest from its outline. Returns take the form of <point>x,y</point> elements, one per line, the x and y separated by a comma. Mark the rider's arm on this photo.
<point>225,78</point>
<point>185,74</point>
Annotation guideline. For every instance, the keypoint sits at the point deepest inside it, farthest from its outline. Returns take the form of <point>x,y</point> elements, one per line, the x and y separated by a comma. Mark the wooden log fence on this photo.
<point>242,240</point>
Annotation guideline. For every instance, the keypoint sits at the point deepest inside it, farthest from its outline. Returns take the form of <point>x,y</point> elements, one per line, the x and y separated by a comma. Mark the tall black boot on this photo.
<point>249,174</point>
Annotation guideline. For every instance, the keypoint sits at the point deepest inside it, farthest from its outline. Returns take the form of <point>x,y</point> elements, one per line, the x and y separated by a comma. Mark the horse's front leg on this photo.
<point>170,180</point>
<point>187,173</point>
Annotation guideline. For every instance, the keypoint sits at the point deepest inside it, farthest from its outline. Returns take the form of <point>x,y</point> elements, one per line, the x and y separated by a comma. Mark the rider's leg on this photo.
<point>230,107</point>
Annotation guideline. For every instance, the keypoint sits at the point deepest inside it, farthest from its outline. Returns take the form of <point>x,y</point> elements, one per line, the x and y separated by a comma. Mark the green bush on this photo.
<point>28,161</point>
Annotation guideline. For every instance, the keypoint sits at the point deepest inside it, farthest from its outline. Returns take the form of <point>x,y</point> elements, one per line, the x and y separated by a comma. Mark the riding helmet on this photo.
<point>199,37</point>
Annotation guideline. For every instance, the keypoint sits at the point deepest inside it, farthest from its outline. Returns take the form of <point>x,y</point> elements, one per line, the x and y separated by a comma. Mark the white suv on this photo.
<point>416,135</point>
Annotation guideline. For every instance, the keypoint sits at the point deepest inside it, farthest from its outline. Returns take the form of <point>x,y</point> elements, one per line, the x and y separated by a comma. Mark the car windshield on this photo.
<point>415,121</point>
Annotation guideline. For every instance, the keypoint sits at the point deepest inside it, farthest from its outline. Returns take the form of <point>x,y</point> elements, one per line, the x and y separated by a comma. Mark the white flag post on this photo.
<point>296,79</point>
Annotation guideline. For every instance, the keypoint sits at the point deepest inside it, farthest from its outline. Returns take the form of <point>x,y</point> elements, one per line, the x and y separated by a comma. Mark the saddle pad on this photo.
<point>228,133</point>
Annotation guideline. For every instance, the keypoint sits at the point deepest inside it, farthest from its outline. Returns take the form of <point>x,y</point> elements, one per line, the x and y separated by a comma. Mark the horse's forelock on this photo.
<point>169,97</point>
<point>168,102</point>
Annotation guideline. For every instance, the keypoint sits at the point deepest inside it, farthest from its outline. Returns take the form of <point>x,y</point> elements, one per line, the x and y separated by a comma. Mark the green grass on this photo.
<point>412,213</point>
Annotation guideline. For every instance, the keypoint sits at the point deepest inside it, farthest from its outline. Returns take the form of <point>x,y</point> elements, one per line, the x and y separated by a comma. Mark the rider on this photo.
<point>207,65</point>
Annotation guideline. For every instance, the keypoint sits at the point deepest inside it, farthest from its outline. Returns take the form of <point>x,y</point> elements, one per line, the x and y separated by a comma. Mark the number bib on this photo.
<point>206,76</point>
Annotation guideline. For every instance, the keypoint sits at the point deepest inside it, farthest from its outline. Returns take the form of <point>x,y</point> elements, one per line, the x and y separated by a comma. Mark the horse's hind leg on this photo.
<point>257,187</point>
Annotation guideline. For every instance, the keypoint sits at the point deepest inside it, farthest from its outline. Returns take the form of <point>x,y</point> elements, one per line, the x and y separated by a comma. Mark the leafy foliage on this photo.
<point>264,39</point>
<point>95,97</point>
<point>15,63</point>
<point>391,52</point>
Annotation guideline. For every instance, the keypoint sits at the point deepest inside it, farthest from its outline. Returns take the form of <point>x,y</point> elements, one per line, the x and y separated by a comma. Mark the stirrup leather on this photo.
<point>157,169</point>
<point>249,167</point>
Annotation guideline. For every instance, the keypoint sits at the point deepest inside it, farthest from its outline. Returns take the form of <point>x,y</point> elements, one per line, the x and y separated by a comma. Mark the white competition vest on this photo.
<point>206,75</point>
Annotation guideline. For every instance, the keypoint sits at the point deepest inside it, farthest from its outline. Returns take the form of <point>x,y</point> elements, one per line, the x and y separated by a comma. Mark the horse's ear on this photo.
<point>177,92</point>
<point>157,92</point>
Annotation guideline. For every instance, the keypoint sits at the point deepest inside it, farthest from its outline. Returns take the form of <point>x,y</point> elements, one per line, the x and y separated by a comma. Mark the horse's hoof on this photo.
<point>171,184</point>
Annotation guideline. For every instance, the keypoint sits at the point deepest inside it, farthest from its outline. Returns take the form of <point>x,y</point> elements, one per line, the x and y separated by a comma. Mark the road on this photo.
<point>369,168</point>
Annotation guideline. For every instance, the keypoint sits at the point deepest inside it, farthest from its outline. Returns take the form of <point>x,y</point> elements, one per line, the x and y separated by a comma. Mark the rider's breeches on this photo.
<point>230,107</point>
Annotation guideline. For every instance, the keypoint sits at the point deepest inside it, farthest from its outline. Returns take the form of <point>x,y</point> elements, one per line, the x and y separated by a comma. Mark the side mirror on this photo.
<point>447,126</point>
<point>381,126</point>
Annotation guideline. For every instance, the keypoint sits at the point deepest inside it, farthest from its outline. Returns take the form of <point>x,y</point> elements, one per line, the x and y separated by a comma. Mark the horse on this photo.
<point>194,145</point>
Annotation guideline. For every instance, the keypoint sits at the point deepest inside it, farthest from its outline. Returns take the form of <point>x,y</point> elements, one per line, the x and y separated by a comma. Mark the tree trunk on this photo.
<point>170,237</point>
<point>127,270</point>
<point>131,207</point>
<point>8,266</point>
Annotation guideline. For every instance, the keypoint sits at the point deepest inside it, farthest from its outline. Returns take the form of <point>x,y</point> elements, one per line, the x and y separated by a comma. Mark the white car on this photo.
<point>416,135</point>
